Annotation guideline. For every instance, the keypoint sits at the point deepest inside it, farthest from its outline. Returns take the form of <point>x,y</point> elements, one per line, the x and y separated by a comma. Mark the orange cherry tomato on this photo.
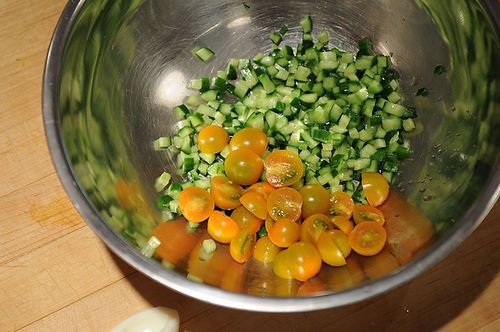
<point>333,247</point>
<point>315,199</point>
<point>368,238</point>
<point>221,227</point>
<point>269,223</point>
<point>283,168</point>
<point>342,223</point>
<point>242,245</point>
<point>249,138</point>
<point>284,203</point>
<point>304,260</point>
<point>255,203</point>
<point>196,204</point>
<point>341,204</point>
<point>284,233</point>
<point>212,139</point>
<point>375,188</point>
<point>364,213</point>
<point>246,220</point>
<point>313,227</point>
<point>226,194</point>
<point>281,265</point>
<point>265,250</point>
<point>263,188</point>
<point>243,167</point>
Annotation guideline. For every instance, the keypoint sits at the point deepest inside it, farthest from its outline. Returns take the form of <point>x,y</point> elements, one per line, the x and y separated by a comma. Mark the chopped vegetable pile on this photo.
<point>287,155</point>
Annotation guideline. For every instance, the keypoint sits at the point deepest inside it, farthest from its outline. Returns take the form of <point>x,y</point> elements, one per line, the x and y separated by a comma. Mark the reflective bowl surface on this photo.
<point>116,68</point>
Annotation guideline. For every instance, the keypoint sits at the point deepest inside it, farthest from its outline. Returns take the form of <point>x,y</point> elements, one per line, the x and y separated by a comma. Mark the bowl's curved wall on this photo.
<point>116,68</point>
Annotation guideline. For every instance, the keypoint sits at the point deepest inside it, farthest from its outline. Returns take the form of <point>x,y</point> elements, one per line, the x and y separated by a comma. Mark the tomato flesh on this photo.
<point>196,204</point>
<point>341,204</point>
<point>364,213</point>
<point>284,203</point>
<point>226,194</point>
<point>283,168</point>
<point>313,227</point>
<point>242,245</point>
<point>368,238</point>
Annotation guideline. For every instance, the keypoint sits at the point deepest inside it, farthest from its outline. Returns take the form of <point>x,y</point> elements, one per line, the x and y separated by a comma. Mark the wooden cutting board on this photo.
<point>56,275</point>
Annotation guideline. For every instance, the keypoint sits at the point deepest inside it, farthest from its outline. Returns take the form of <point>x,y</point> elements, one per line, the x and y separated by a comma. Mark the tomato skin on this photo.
<point>368,238</point>
<point>334,247</point>
<point>315,200</point>
<point>255,203</point>
<point>242,246</point>
<point>363,213</point>
<point>263,188</point>
<point>265,250</point>
<point>196,204</point>
<point>284,232</point>
<point>225,193</point>
<point>249,138</point>
<point>284,203</point>
<point>341,204</point>
<point>246,220</point>
<point>283,168</point>
<point>375,188</point>
<point>342,223</point>
<point>243,167</point>
<point>313,227</point>
<point>212,139</point>
<point>221,227</point>
<point>281,265</point>
<point>305,260</point>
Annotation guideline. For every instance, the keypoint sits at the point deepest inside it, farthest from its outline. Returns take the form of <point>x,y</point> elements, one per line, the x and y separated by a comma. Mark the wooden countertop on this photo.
<point>56,275</point>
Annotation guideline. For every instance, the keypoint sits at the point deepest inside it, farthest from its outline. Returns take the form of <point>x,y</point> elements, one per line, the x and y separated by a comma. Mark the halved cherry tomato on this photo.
<point>284,203</point>
<point>283,168</point>
<point>315,199</point>
<point>221,227</point>
<point>212,139</point>
<point>243,167</point>
<point>269,223</point>
<point>246,220</point>
<point>249,138</point>
<point>313,227</point>
<point>255,203</point>
<point>265,250</point>
<point>368,238</point>
<point>242,245</point>
<point>375,188</point>
<point>334,247</point>
<point>196,204</point>
<point>284,232</point>
<point>263,188</point>
<point>226,194</point>
<point>305,260</point>
<point>341,204</point>
<point>342,223</point>
<point>364,213</point>
<point>281,265</point>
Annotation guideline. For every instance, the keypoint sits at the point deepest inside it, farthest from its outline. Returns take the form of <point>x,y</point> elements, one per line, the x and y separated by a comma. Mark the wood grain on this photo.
<point>56,275</point>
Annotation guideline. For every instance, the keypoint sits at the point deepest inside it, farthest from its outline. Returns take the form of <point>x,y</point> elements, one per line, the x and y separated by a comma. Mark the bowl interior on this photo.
<point>126,64</point>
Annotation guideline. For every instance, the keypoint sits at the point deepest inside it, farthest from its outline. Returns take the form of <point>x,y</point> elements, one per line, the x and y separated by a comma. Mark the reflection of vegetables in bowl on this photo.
<point>117,69</point>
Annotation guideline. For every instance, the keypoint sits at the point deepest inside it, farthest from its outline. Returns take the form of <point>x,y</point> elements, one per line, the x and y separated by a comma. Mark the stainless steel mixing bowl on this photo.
<point>116,68</point>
